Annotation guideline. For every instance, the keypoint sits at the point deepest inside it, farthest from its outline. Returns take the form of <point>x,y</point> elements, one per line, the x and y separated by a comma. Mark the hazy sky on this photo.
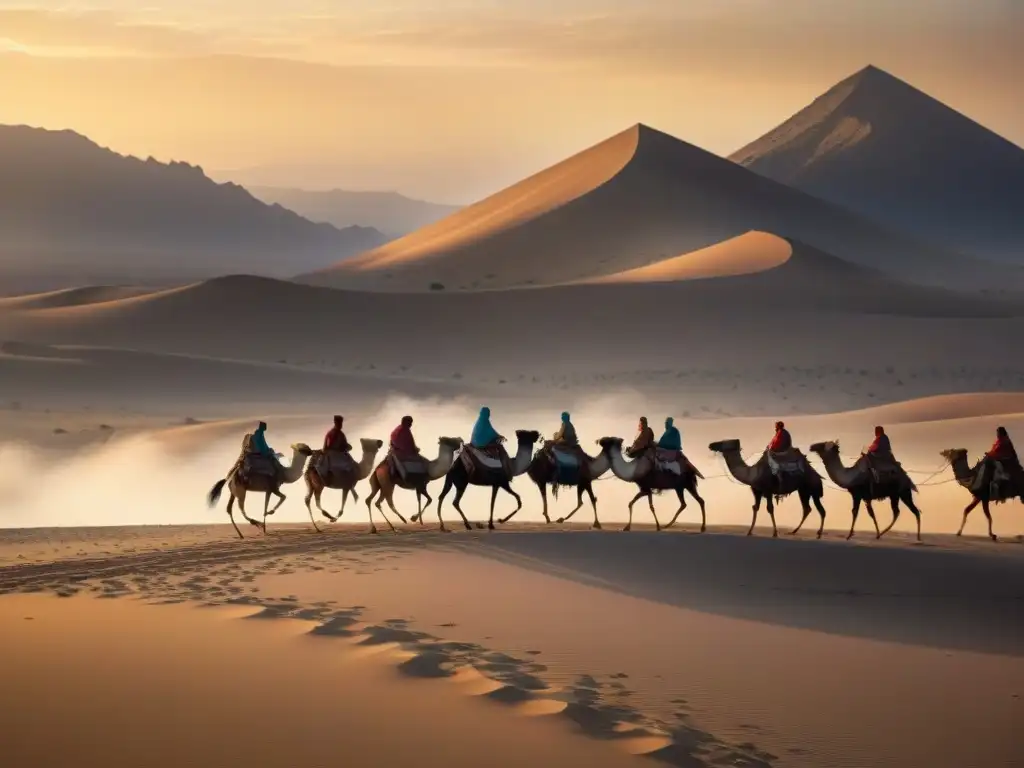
<point>450,99</point>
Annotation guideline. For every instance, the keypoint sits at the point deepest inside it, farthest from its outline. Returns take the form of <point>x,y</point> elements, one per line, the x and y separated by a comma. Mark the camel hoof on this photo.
<point>959,532</point>
<point>442,529</point>
<point>993,537</point>
<point>819,534</point>
<point>775,534</point>
<point>373,530</point>
<point>657,528</point>
<point>559,520</point>
<point>490,526</point>
<point>627,528</point>
<point>703,528</point>
<point>596,526</point>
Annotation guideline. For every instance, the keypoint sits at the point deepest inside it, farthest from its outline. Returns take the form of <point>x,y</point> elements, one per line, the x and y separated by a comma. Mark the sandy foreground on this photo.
<point>521,647</point>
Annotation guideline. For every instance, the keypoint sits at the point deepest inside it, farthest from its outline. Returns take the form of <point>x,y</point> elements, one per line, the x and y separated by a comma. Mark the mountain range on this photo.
<point>884,149</point>
<point>389,212</point>
<point>72,213</point>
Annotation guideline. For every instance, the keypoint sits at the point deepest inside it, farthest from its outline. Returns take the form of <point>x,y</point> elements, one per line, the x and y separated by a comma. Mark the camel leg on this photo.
<point>757,506</point>
<point>280,499</point>
<point>895,516</point>
<point>821,511</point>
<point>805,504</point>
<point>448,482</point>
<point>639,495</point>
<point>390,499</point>
<point>988,517</point>
<point>507,487</point>
<point>376,486</point>
<point>231,515</point>
<point>770,503</point>
<point>344,498</point>
<point>241,508</point>
<point>871,512</point>
<point>856,511</point>
<point>908,499</point>
<point>315,492</point>
<point>967,510</point>
<point>422,510</point>
<point>494,498</point>
<point>650,504</point>
<point>460,490</point>
<point>682,506</point>
<point>544,500</point>
<point>589,488</point>
<point>579,503</point>
<point>266,508</point>
<point>313,520</point>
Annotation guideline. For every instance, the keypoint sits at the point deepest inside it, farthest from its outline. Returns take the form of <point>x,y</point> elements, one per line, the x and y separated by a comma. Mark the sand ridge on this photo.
<point>743,255</point>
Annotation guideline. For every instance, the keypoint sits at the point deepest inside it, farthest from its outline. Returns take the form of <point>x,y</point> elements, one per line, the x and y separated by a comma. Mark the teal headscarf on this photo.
<point>483,432</point>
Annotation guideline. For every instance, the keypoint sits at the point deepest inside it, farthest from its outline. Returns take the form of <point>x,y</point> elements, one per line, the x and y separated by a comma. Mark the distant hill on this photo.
<point>72,213</point>
<point>637,198</point>
<point>391,213</point>
<point>882,148</point>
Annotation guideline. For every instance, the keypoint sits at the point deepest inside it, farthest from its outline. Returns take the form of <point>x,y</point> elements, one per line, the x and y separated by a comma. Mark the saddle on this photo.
<point>1000,479</point>
<point>667,460</point>
<point>258,464</point>
<point>406,467</point>
<point>484,458</point>
<point>327,463</point>
<point>883,467</point>
<point>788,462</point>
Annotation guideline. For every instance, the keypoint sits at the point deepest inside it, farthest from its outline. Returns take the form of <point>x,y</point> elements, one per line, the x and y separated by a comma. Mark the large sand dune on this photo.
<point>638,197</point>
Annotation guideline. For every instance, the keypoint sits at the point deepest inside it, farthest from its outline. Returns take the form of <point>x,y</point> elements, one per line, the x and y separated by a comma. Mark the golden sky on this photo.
<point>451,99</point>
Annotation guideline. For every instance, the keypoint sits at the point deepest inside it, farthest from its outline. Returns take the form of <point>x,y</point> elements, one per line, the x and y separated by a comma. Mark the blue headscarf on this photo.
<point>483,432</point>
<point>671,440</point>
<point>565,417</point>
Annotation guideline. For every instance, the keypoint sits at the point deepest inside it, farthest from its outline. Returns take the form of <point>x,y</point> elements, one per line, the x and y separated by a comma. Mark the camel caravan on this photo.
<point>653,466</point>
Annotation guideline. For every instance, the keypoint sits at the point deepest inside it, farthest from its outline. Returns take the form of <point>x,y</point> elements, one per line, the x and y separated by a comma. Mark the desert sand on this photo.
<point>691,650</point>
<point>638,197</point>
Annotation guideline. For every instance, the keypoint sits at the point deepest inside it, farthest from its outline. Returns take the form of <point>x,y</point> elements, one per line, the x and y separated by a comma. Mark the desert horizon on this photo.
<point>713,370</point>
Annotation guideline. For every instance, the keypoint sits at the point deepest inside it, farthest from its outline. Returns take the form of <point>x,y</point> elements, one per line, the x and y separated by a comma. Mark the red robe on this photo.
<point>402,442</point>
<point>1002,450</point>
<point>781,442</point>
<point>335,440</point>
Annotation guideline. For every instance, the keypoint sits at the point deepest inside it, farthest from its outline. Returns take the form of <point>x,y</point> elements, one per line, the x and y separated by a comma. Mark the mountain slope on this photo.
<point>389,212</point>
<point>636,198</point>
<point>72,212</point>
<point>882,148</point>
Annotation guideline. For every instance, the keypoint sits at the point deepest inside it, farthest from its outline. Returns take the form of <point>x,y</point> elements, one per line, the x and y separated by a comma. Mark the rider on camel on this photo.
<point>880,448</point>
<point>336,446</point>
<point>1002,452</point>
<point>402,446</point>
<point>671,440</point>
<point>782,441</point>
<point>644,440</point>
<point>258,446</point>
<point>485,438</point>
<point>565,437</point>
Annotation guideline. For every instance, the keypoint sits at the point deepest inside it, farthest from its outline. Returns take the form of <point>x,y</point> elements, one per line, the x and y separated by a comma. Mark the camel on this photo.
<point>966,475</point>
<point>493,477</point>
<point>345,482</point>
<point>857,481</point>
<point>768,486</point>
<point>384,483</point>
<point>544,473</point>
<point>651,480</point>
<point>260,483</point>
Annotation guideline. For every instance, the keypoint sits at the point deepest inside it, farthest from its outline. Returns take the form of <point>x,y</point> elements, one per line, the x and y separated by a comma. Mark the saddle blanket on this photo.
<point>482,457</point>
<point>258,464</point>
<point>565,458</point>
<point>787,462</point>
<point>334,462</point>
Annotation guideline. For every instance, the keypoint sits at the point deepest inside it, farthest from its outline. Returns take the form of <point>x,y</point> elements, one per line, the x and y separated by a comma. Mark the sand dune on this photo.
<point>837,336</point>
<point>743,255</point>
<point>638,197</point>
<point>72,297</point>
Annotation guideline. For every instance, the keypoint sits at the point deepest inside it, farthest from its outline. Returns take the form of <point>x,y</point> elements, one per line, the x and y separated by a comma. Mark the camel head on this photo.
<point>452,443</point>
<point>953,454</point>
<point>821,449</point>
<point>607,443</point>
<point>725,445</point>
<point>370,446</point>
<point>302,448</point>
<point>527,436</point>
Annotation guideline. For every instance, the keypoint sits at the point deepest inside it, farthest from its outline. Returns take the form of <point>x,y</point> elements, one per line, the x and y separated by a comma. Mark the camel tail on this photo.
<point>214,495</point>
<point>554,491</point>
